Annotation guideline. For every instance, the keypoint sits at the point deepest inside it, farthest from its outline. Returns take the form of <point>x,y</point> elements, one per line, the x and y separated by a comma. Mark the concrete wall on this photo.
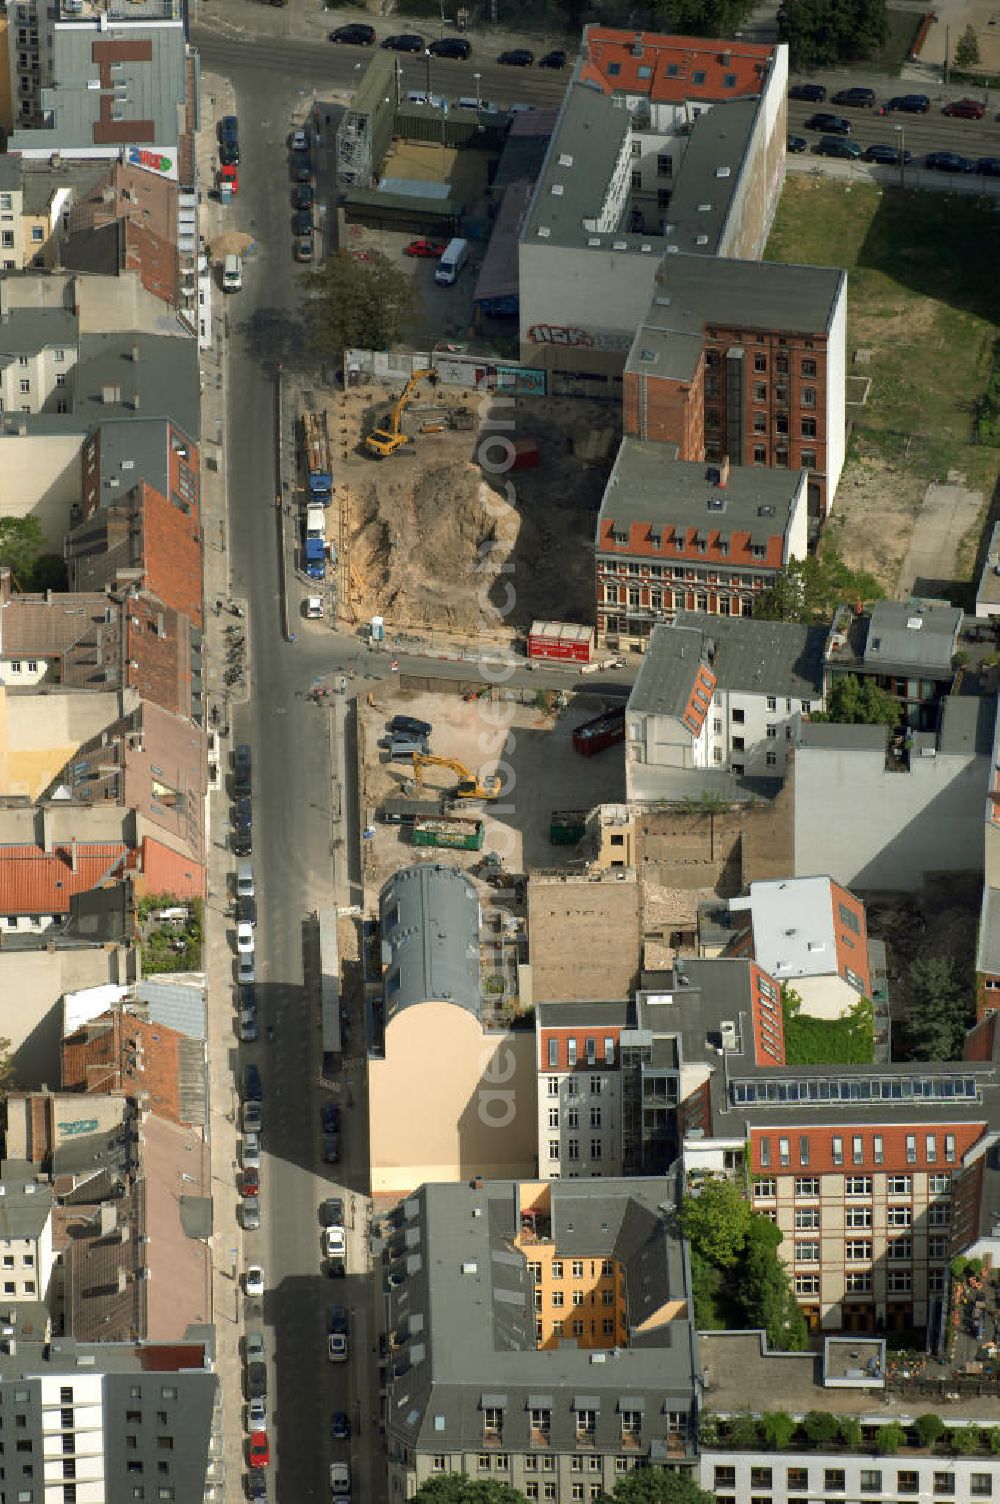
<point>872,828</point>
<point>32,985</point>
<point>836,397</point>
<point>448,1101</point>
<point>564,322</point>
<point>40,477</point>
<point>680,849</point>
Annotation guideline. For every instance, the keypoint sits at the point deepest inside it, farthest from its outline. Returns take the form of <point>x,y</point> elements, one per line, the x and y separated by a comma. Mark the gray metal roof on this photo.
<point>25,1207</point>
<point>919,636</point>
<point>464,1321</point>
<point>164,378</point>
<point>766,657</point>
<point>745,294</point>
<point>26,331</point>
<point>708,178</point>
<point>988,951</point>
<point>579,165</point>
<point>430,938</point>
<point>10,173</point>
<point>648,483</point>
<point>154,91</point>
<point>178,1005</point>
<point>834,737</point>
<point>132,450</point>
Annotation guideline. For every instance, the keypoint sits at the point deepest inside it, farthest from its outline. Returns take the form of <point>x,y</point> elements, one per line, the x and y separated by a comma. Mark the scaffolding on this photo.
<point>364,134</point>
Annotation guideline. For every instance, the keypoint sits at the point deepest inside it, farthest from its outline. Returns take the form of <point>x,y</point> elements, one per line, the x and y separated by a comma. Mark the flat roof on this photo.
<point>709,176</point>
<point>648,483</point>
<point>579,166</point>
<point>793,929</point>
<point>919,635</point>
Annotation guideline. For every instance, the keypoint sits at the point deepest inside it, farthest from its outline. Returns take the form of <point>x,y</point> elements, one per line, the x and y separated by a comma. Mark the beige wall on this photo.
<point>39,734</point>
<point>448,1101</point>
<point>32,984</point>
<point>40,477</point>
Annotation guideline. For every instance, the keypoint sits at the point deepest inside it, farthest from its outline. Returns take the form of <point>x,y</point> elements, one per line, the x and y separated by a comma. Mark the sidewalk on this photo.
<point>227,1240</point>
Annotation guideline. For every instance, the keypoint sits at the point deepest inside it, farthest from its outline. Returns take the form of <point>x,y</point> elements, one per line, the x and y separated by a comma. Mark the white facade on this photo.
<point>26,1262</point>
<point>745,733</point>
<point>83,1394</point>
<point>789,1477</point>
<point>40,381</point>
<point>579,1124</point>
<point>836,396</point>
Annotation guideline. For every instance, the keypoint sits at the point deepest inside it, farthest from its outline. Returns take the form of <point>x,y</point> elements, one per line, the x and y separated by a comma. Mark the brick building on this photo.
<point>676,535</point>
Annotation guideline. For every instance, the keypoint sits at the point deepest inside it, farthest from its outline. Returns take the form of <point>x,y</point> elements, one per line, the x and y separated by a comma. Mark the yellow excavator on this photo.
<point>468,786</point>
<point>390,438</point>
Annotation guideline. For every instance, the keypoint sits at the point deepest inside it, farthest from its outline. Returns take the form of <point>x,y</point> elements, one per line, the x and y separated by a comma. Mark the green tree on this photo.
<point>716,1221</point>
<point>21,542</point>
<point>764,1290</point>
<point>937,1012</point>
<point>853,701</point>
<point>703,18</point>
<point>930,1429</point>
<point>453,1488</point>
<point>654,1485</point>
<point>891,1438</point>
<point>964,1439</point>
<point>6,1066</point>
<point>821,1428</point>
<point>776,1430</point>
<point>743,1431</point>
<point>992,1438</point>
<point>811,589</point>
<point>821,33</point>
<point>850,1432</point>
<point>967,49</point>
<point>48,573</point>
<point>361,304</point>
<point>706,1292</point>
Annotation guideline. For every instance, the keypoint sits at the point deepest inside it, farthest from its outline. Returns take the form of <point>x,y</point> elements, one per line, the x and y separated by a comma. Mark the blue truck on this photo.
<point>318,458</point>
<point>314,555</point>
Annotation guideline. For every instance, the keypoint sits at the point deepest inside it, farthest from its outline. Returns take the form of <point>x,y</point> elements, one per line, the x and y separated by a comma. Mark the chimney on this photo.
<point>72,854</point>
<point>135,355</point>
<point>724,472</point>
<point>47,831</point>
<point>135,402</point>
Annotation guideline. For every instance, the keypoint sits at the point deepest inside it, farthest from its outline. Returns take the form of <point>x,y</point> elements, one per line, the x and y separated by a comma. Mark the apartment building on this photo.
<point>26,1249</point>
<point>677,535</point>
<point>810,933</point>
<point>539,1335</point>
<point>579,1092</point>
<point>451,1081</point>
<point>907,648</point>
<point>663,144</point>
<point>744,360</point>
<point>847,1380</point>
<point>719,695</point>
<point>38,356</point>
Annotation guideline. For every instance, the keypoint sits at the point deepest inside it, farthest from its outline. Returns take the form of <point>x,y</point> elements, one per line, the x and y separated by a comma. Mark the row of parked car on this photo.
<point>836,142</point>
<point>907,104</point>
<point>359,34</point>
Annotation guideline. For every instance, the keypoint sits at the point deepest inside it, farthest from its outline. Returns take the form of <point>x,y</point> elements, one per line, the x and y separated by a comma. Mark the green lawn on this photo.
<point>923,297</point>
<point>828,1041</point>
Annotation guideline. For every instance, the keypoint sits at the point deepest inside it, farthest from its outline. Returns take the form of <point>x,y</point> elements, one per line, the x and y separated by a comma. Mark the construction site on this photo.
<point>430,540</point>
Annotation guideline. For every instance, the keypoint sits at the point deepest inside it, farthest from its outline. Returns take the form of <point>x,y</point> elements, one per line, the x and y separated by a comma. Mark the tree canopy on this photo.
<point>21,544</point>
<point>366,305</point>
<point>821,33</point>
<point>938,1010</point>
<point>856,701</point>
<point>811,589</point>
<point>967,49</point>
<point>716,1222</point>
<point>654,1485</point>
<point>453,1488</point>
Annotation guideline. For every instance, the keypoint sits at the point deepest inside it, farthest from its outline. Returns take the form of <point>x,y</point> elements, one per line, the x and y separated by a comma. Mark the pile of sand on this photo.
<point>429,548</point>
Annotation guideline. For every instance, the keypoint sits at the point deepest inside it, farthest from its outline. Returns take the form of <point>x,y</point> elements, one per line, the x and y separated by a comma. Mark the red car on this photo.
<point>260,1452</point>
<point>250,1183</point>
<point>229,174</point>
<point>430,248</point>
<point>965,109</point>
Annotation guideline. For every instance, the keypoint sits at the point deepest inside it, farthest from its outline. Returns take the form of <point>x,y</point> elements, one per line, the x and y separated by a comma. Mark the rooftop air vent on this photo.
<point>544,232</point>
<point>701,240</point>
<point>565,160</point>
<point>723,172</point>
<point>593,240</point>
<point>557,190</point>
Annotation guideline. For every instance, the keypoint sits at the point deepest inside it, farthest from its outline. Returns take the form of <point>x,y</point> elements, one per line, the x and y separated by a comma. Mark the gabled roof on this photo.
<point>670,68</point>
<point>34,882</point>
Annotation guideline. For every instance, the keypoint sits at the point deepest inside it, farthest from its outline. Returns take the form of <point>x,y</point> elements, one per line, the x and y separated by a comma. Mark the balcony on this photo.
<point>540,1437</point>
<point>631,1441</point>
<point>585,1441</point>
<point>492,1439</point>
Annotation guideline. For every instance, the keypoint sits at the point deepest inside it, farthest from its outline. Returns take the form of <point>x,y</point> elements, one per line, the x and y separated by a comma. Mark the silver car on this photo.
<point>250,1155</point>
<point>249,1210</point>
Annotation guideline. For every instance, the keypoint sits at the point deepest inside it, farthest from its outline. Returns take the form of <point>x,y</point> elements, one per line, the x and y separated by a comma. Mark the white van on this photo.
<point>451,263</point>
<point>232,273</point>
<point>481,106</point>
<point>315,522</point>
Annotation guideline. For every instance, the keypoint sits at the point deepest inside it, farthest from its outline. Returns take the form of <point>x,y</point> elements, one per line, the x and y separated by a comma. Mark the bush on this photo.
<point>930,1429</point>
<point>964,1439</point>
<point>891,1438</point>
<point>850,1433</point>
<point>821,1428</point>
<point>776,1430</point>
<point>743,1431</point>
<point>992,1436</point>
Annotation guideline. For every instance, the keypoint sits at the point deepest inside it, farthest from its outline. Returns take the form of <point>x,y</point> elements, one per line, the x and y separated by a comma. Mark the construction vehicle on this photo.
<point>319,462</point>
<point>449,831</point>
<point>456,417</point>
<point>468,786</point>
<point>390,438</point>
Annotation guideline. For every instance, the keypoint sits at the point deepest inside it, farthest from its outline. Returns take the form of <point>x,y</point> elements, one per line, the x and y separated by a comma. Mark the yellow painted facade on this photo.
<point>580,1298</point>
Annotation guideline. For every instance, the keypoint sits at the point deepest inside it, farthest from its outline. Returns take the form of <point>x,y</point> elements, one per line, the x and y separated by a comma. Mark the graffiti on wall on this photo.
<point>576,338</point>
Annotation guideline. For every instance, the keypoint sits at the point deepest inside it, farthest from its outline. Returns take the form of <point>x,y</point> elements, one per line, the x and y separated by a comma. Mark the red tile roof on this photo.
<point>118,1052</point>
<point>894,1157</point>
<point>672,68</point>
<point>33,881</point>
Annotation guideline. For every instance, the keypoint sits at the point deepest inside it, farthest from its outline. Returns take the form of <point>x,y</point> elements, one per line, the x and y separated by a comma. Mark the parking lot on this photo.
<point>541,770</point>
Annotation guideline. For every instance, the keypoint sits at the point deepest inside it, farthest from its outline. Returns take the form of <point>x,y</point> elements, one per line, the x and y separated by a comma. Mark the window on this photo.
<point>859,1284</point>
<point>760,423</point>
<point>595,1117</point>
<point>981,1485</point>
<point>940,1185</point>
<point>784,1152</point>
<point>949,1148</point>
<point>797,1479</point>
<point>553,1148</point>
<point>573,1149</point>
<point>440,1464</point>
<point>838,1150</point>
<point>808,428</point>
<point>772,732</point>
<point>809,368</point>
<point>552,1086</point>
<point>879,1153</point>
<point>596,1085</point>
<point>899,1185</point>
<point>760,1477</point>
<point>24,386</point>
<point>899,1281</point>
<point>725,1477</point>
<point>859,1216</point>
<point>807,1185</point>
<point>857,1149</point>
<point>858,1185</point>
<point>553,1054</point>
<point>871,1480</point>
<point>571,1051</point>
<point>557,1269</point>
<point>807,459</point>
<point>771,759</point>
<point>806,1217</point>
<point>765,1190</point>
<point>944,1483</point>
<point>834,1480</point>
<point>595,1148</point>
<point>807,1284</point>
<point>609,1043</point>
<point>911,1148</point>
<point>808,396</point>
<point>759,454</point>
<point>760,361</point>
<point>937,1248</point>
<point>858,1250</point>
<point>900,1249</point>
<point>807,1253</point>
<point>553,1117</point>
<point>938,1214</point>
<point>899,1216</point>
<point>664,165</point>
<point>760,391</point>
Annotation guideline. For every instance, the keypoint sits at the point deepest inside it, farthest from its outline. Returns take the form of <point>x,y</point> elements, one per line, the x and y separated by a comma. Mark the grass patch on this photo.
<point>827,1041</point>
<point>171,945</point>
<point>923,297</point>
<point>989,412</point>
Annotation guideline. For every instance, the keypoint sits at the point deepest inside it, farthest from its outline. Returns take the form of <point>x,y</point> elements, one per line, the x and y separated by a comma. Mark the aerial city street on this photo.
<point>499,666</point>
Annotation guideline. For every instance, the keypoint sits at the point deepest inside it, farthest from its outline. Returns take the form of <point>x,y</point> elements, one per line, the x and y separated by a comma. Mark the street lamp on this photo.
<point>901,133</point>
<point>477,77</point>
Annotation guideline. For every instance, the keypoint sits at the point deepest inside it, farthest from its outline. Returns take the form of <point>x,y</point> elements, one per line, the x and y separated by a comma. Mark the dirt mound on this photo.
<point>429,550</point>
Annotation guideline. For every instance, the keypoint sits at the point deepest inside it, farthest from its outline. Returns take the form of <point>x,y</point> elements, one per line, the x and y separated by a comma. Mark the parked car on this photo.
<point>250,1152</point>
<point>304,248</point>
<point>336,1269</point>
<point>252,1117</point>
<point>797,143</point>
<point>242,770</point>
<point>813,93</point>
<point>244,938</point>
<point>303,195</point>
<point>257,1484</point>
<point>408,725</point>
<point>331,1212</point>
<point>988,167</point>
<point>229,153</point>
<point>244,881</point>
<point>855,99</point>
<point>948,161</point>
<point>246,968</point>
<point>337,1347</point>
<point>429,249</point>
<point>302,170</point>
<point>554,59</point>
<point>910,104</point>
<point>250,1182</point>
<point>253,1091</point>
<point>836,146</point>
<point>340,1478</point>
<point>229,128</point>
<point>246,911</point>
<point>454,47</point>
<point>249,1213</point>
<point>253,1280</point>
<point>243,813</point>
<point>420,96</point>
<point>886,156</point>
<point>249,1029</point>
<point>340,1426</point>
<point>331,1148</point>
<point>258,1451</point>
<point>256,1381</point>
<point>356,34</point>
<point>965,109</point>
<point>254,1347</point>
<point>300,140</point>
<point>833,125</point>
<point>406,41</point>
<point>337,1319</point>
<point>517,57</point>
<point>330,1115</point>
<point>335,1241</point>
<point>257,1414</point>
<point>302,222</point>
